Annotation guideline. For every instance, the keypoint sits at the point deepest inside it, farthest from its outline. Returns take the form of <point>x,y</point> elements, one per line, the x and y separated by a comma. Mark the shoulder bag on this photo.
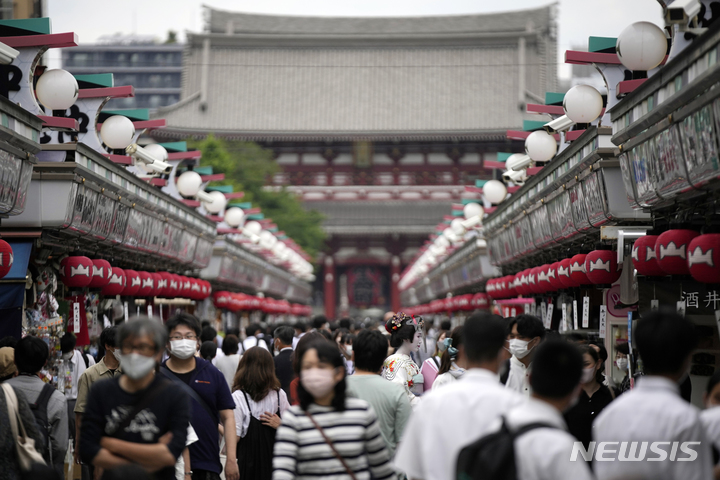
<point>332,447</point>
<point>26,453</point>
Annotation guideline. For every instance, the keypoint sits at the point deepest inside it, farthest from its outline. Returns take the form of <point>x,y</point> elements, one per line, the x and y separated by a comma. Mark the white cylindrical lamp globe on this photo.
<point>117,132</point>
<point>234,216</point>
<point>494,191</point>
<point>188,184</point>
<point>641,46</point>
<point>218,203</point>
<point>252,228</point>
<point>157,151</point>
<point>583,104</point>
<point>473,210</point>
<point>57,89</point>
<point>540,146</point>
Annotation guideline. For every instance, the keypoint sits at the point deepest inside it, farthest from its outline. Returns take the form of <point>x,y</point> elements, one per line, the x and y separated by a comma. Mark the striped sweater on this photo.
<point>301,451</point>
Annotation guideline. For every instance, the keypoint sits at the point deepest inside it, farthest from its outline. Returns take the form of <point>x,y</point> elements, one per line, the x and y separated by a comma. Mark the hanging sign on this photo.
<point>548,317</point>
<point>150,312</point>
<point>654,304</point>
<point>76,317</point>
<point>603,317</point>
<point>586,312</point>
<point>126,311</point>
<point>575,314</point>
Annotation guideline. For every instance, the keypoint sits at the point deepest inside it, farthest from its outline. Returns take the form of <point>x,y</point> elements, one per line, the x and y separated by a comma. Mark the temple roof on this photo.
<point>318,78</point>
<point>380,217</point>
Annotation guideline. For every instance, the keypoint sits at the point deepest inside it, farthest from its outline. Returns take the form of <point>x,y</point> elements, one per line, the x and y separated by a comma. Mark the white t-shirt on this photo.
<point>228,365</point>
<point>180,464</point>
<point>448,419</point>
<point>519,377</point>
<point>267,404</point>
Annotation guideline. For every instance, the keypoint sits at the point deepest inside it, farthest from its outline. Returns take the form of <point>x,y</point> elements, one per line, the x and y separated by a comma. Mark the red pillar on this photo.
<point>394,279</point>
<point>330,281</point>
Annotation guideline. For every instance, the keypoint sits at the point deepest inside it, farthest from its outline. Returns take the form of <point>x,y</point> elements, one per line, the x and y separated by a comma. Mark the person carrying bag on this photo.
<point>27,455</point>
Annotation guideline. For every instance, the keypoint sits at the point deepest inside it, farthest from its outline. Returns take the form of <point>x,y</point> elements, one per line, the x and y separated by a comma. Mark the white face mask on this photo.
<point>622,364</point>
<point>318,381</point>
<point>587,375</point>
<point>136,366</point>
<point>519,348</point>
<point>183,349</point>
<point>67,356</point>
<point>348,349</point>
<point>116,354</point>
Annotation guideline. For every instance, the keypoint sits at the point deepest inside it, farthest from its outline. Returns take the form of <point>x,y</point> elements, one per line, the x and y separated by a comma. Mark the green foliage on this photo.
<point>171,37</point>
<point>247,167</point>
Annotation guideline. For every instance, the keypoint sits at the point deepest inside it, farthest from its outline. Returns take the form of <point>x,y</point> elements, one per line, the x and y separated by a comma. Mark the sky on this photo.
<point>91,19</point>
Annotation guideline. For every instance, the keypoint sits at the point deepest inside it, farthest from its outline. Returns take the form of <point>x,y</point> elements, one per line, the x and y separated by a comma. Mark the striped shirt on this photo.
<point>301,451</point>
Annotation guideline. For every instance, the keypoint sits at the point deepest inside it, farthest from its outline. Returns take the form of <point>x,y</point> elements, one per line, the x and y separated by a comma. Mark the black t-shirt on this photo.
<point>580,417</point>
<point>107,406</point>
<point>185,377</point>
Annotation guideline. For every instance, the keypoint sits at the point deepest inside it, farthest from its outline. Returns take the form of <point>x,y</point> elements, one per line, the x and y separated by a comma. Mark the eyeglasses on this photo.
<point>145,349</point>
<point>189,336</point>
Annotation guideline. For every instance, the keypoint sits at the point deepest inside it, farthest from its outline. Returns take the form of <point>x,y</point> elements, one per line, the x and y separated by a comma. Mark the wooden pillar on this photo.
<point>329,287</point>
<point>394,279</point>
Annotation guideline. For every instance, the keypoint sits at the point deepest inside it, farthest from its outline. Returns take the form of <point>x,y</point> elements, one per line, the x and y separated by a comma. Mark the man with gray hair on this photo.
<point>138,417</point>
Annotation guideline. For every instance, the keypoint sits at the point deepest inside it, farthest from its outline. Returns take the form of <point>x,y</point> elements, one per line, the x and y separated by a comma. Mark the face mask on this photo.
<point>116,354</point>
<point>519,348</point>
<point>587,375</point>
<point>318,381</point>
<point>183,349</point>
<point>136,366</point>
<point>67,356</point>
<point>348,349</point>
<point>622,364</point>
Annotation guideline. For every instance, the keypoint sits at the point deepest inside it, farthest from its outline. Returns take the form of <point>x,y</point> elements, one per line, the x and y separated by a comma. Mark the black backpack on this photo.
<point>40,410</point>
<point>492,457</point>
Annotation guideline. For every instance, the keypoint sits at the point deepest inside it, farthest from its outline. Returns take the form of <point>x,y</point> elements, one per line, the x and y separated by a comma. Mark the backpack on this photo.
<point>40,410</point>
<point>492,457</point>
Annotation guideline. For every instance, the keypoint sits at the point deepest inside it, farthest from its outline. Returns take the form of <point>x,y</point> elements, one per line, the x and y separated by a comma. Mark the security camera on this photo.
<point>518,178</point>
<point>558,125</point>
<point>203,196</point>
<point>7,54</point>
<point>519,163</point>
<point>139,153</point>
<point>682,11</point>
<point>472,222</point>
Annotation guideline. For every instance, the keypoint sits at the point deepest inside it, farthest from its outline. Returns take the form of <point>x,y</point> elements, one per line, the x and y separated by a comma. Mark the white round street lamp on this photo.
<point>494,191</point>
<point>234,216</point>
<point>583,104</point>
<point>57,89</point>
<point>117,132</point>
<point>217,204</point>
<point>641,46</point>
<point>540,146</point>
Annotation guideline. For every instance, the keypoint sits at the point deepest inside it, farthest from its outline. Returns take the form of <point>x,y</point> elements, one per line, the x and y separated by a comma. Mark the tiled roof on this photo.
<point>220,21</point>
<point>331,90</point>
<point>381,217</point>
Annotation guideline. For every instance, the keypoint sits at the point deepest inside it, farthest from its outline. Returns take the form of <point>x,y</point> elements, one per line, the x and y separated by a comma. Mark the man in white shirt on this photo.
<point>255,338</point>
<point>545,453</point>
<point>526,333</point>
<point>654,411</point>
<point>74,362</point>
<point>448,419</point>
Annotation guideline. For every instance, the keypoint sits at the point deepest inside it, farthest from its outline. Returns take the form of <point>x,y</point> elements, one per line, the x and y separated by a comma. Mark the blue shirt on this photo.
<point>210,385</point>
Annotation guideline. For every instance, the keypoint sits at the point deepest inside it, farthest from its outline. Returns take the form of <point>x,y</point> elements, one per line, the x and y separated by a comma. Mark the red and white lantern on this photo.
<point>704,258</point>
<point>543,281</point>
<point>186,287</point>
<point>117,283</point>
<point>577,270</point>
<point>644,258</point>
<point>563,273</point>
<point>222,300</point>
<point>601,267</point>
<point>101,272</point>
<point>671,250</point>
<point>554,278</point>
<point>481,301</point>
<point>533,285</point>
<point>195,289</point>
<point>158,284</point>
<point>76,272</point>
<point>147,284</point>
<point>6,258</point>
<point>133,282</point>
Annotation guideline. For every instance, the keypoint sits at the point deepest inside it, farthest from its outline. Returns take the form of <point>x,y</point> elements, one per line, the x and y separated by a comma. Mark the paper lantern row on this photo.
<point>679,252</point>
<point>81,272</point>
<point>235,302</point>
<point>599,267</point>
<point>467,302</point>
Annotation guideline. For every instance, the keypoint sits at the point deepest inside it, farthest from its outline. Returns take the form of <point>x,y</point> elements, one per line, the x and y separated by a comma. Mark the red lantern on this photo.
<point>195,289</point>
<point>206,289</point>
<point>543,281</point>
<point>117,283</point>
<point>147,284</point>
<point>76,272</point>
<point>554,278</point>
<point>577,270</point>
<point>481,301</point>
<point>186,289</point>
<point>101,271</point>
<point>158,284</point>
<point>510,290</point>
<point>133,283</point>
<point>601,267</point>
<point>222,300</point>
<point>563,274</point>
<point>175,285</point>
<point>644,258</point>
<point>6,258</point>
<point>533,286</point>
<point>671,251</point>
<point>523,287</point>
<point>704,258</point>
<point>163,285</point>
<point>490,287</point>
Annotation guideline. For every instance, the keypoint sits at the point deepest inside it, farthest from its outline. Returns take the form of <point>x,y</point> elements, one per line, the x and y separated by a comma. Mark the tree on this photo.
<point>171,37</point>
<point>248,167</point>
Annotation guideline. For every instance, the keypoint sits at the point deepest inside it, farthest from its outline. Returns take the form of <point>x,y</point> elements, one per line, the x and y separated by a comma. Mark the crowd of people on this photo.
<point>490,398</point>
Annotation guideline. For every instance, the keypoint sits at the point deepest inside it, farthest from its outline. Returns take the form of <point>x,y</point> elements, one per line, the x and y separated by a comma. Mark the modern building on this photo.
<point>154,69</point>
<point>379,123</point>
<point>22,9</point>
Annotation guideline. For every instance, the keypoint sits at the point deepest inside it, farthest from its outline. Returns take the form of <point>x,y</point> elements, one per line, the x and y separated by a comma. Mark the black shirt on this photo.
<point>580,417</point>
<point>107,406</point>
<point>185,377</point>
